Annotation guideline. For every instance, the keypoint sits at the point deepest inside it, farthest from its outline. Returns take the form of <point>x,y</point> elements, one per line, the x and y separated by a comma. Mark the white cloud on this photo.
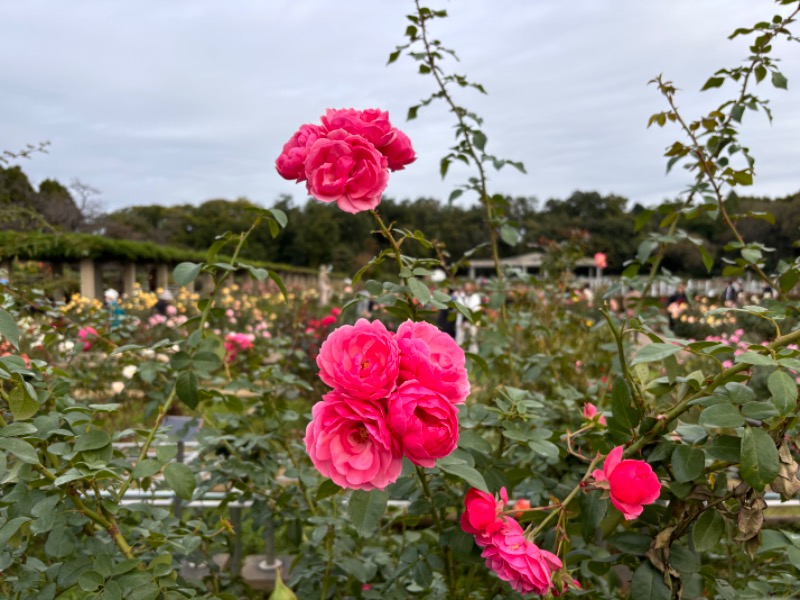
<point>156,102</point>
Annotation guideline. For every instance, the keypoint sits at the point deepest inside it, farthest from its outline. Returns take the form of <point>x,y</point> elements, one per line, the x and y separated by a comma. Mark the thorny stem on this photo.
<point>626,372</point>
<point>398,255</point>
<point>328,563</point>
<point>660,256</point>
<point>437,521</point>
<point>562,506</point>
<point>164,409</point>
<point>390,238</point>
<point>464,128</point>
<point>683,405</point>
<point>709,173</point>
<point>568,437</point>
<point>109,524</point>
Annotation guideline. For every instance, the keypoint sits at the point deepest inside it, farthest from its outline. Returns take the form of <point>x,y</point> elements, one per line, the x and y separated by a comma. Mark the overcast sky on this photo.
<point>166,102</point>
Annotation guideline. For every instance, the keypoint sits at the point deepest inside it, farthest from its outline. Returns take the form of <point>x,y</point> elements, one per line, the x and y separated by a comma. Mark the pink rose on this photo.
<point>399,151</point>
<point>521,563</point>
<point>372,124</point>
<point>348,170</point>
<point>426,423</point>
<point>600,260</point>
<point>482,513</point>
<point>632,483</point>
<point>235,342</point>
<point>87,335</point>
<point>349,441</point>
<point>434,359</point>
<point>590,412</point>
<point>362,359</point>
<point>291,162</point>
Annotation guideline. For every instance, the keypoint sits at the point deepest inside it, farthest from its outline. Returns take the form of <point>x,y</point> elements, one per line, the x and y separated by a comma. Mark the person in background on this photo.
<point>676,304</point>
<point>466,331</point>
<point>115,310</point>
<point>730,294</point>
<point>588,294</point>
<point>164,301</point>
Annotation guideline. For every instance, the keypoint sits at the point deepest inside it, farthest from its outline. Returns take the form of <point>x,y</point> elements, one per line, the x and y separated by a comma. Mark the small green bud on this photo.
<point>280,591</point>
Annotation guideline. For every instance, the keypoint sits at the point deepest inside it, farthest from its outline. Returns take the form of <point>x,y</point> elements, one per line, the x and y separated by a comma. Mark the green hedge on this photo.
<point>75,246</point>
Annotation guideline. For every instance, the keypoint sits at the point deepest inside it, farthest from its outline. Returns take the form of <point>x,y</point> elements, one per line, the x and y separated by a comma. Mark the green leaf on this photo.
<point>166,452</point>
<point>626,414</point>
<point>713,82</point>
<point>725,447</point>
<point>21,449</point>
<point>423,576</point>
<point>708,530</point>
<point>509,234</point>
<point>326,489</point>
<point>778,80</point>
<point>687,463</point>
<point>92,440</point>
<point>17,430</point>
<point>784,391</point>
<point>206,362</point>
<point>683,559</point>
<point>593,509</point>
<point>10,528</point>
<point>185,273</point>
<point>180,479</point>
<point>419,290</point>
<point>479,139</point>
<point>8,328</point>
<point>759,458</point>
<point>186,389</point>
<point>279,282</point>
<point>724,414</point>
<point>465,472</point>
<point>754,358</point>
<point>631,543</point>
<point>22,405</point>
<point>279,216</point>
<point>89,581</point>
<point>654,352</point>
<point>146,468</point>
<point>72,474</point>
<point>789,279</point>
<point>759,410</point>
<point>544,448</point>
<point>746,178</point>
<point>708,260</point>
<point>366,510</point>
<point>648,584</point>
<point>258,273</point>
<point>642,219</point>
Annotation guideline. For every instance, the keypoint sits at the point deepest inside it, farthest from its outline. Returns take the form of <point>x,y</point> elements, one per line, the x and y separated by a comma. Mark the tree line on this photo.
<point>320,234</point>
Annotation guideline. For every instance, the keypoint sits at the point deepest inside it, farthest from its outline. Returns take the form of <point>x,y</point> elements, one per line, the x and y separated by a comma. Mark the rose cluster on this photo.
<point>347,158</point>
<point>87,335</point>
<point>393,395</point>
<point>507,551</point>
<point>237,342</point>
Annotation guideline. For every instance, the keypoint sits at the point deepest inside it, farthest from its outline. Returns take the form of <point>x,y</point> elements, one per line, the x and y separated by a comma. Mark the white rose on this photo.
<point>129,371</point>
<point>117,387</point>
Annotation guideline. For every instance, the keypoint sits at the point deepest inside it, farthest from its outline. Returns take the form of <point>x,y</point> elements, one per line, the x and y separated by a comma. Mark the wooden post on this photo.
<point>91,279</point>
<point>162,276</point>
<point>128,278</point>
<point>59,295</point>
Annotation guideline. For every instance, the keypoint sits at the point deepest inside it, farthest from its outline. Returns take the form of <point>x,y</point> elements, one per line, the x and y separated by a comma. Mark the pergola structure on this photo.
<point>530,263</point>
<point>92,255</point>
